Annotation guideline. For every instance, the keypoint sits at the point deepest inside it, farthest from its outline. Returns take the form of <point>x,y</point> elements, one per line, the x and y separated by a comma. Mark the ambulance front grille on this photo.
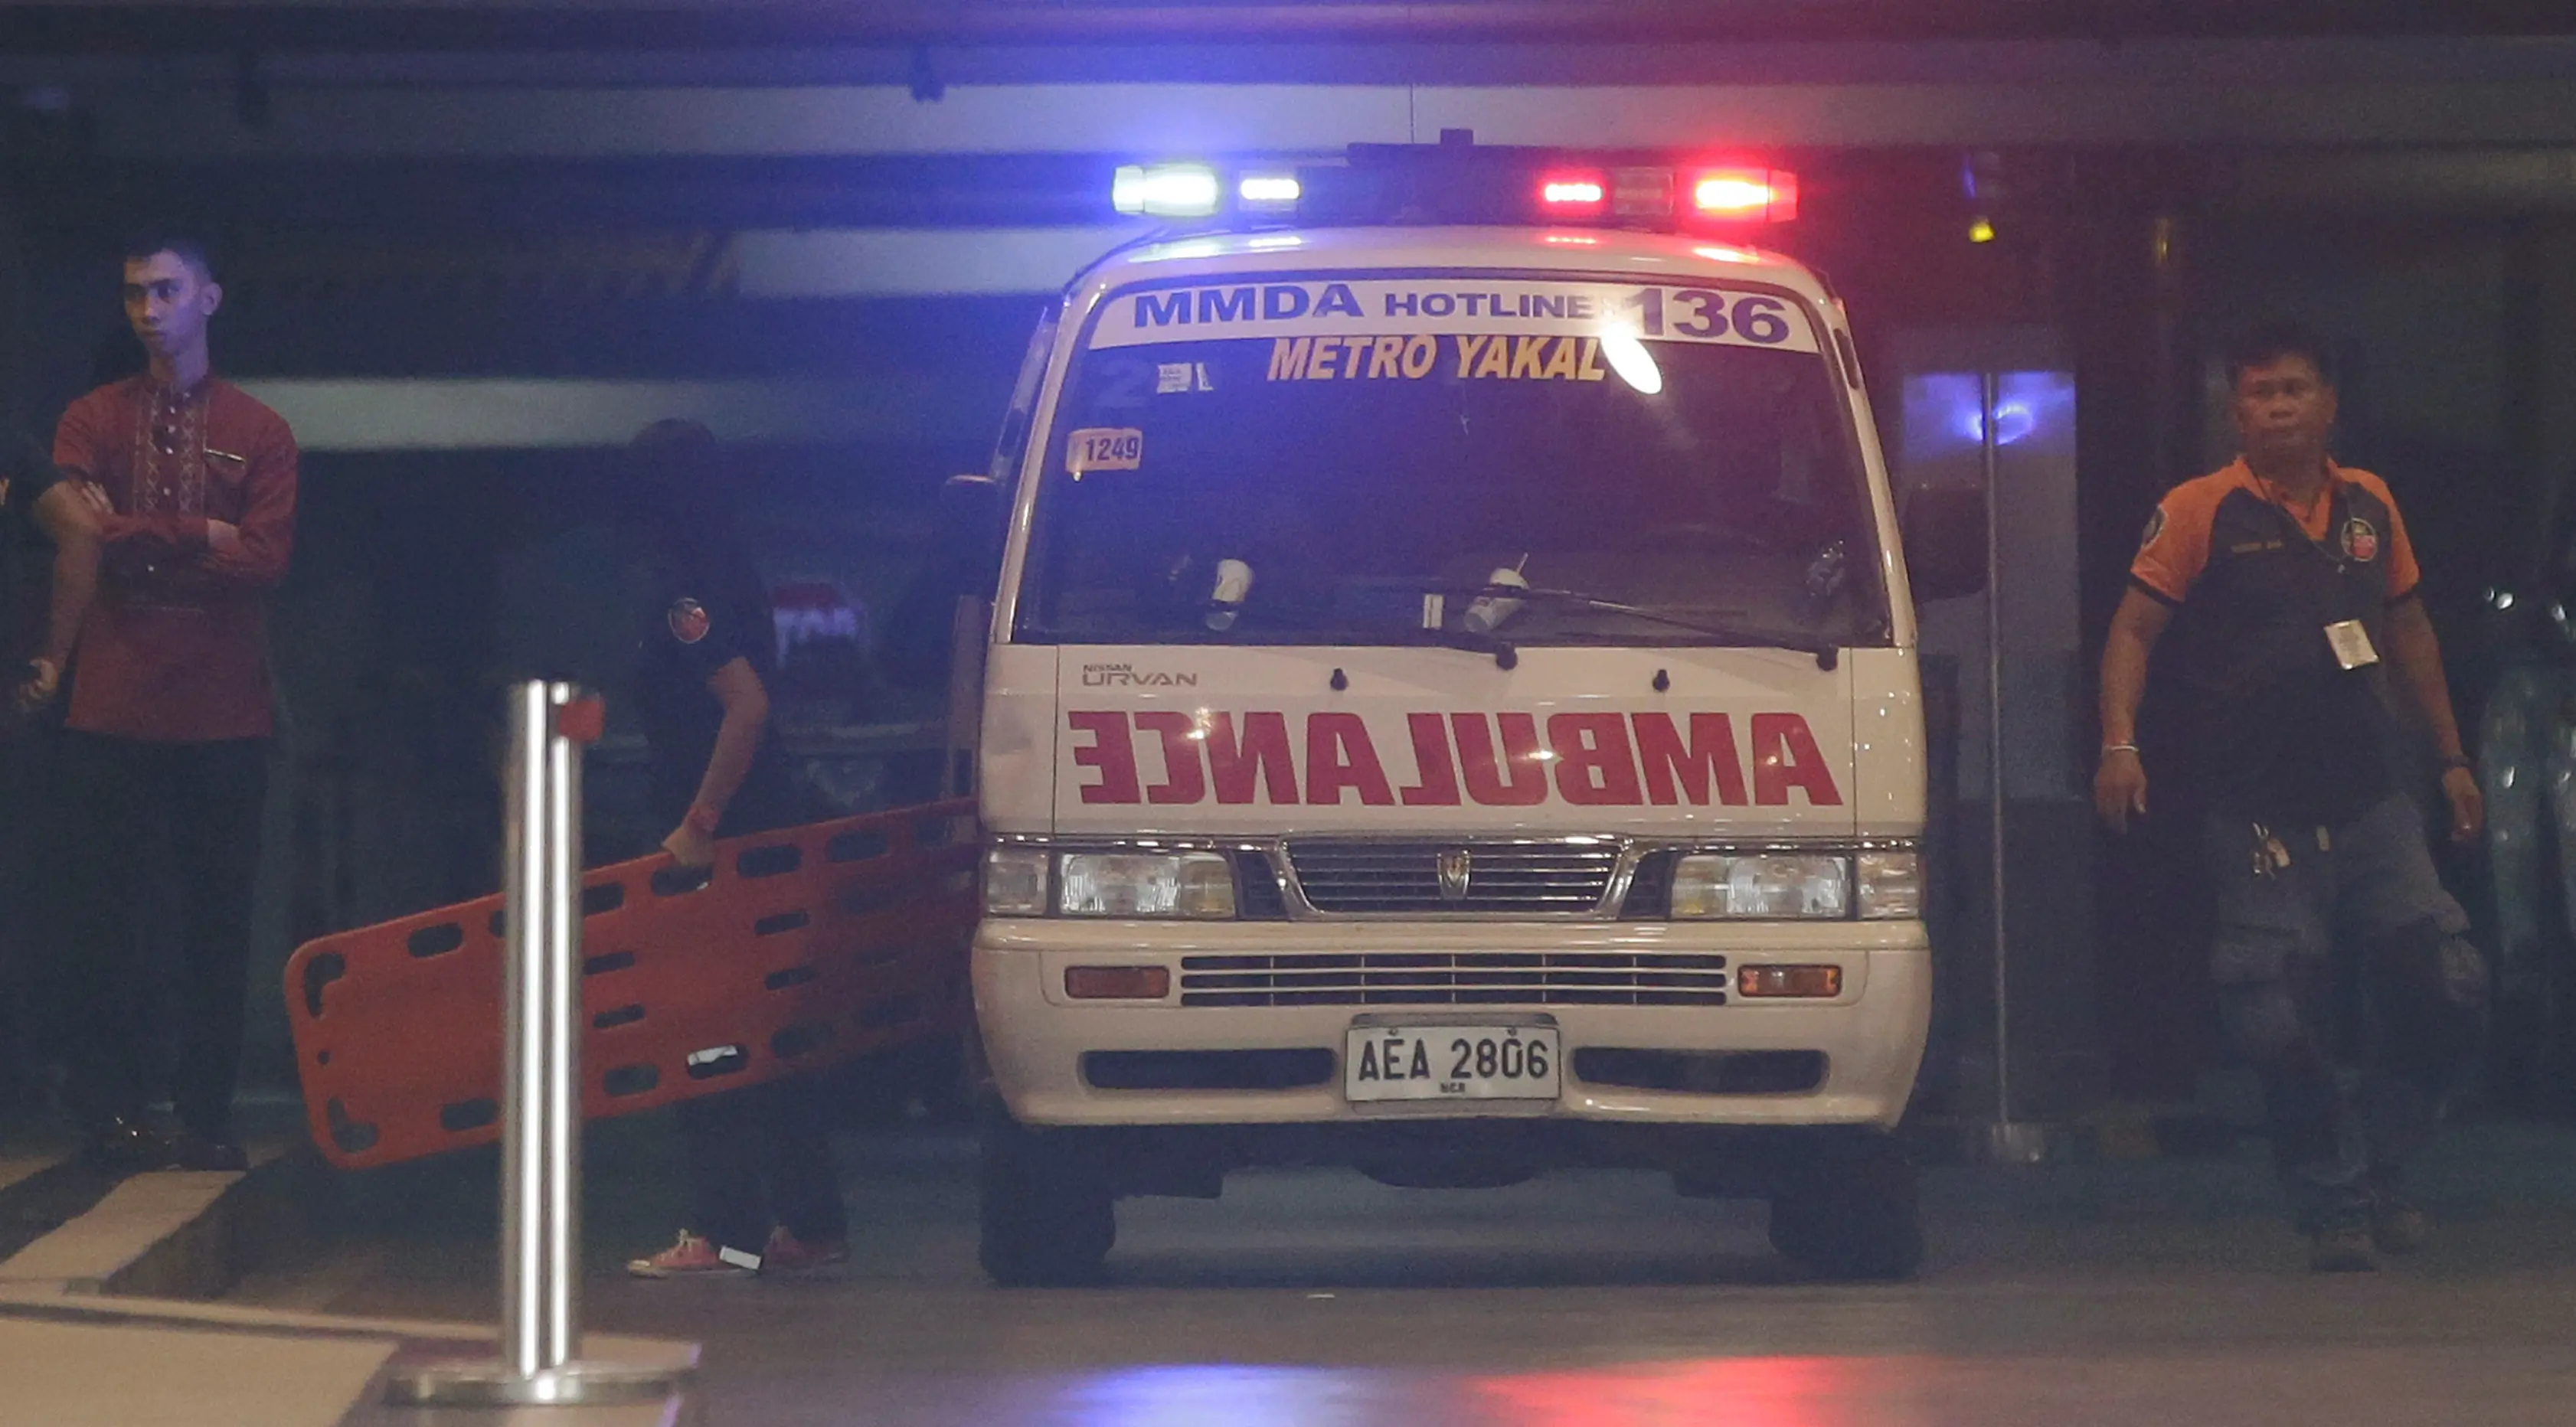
<point>1500,878</point>
<point>1460,978</point>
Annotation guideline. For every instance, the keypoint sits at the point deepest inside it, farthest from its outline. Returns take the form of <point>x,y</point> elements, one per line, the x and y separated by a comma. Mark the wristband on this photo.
<point>2455,760</point>
<point>2110,748</point>
<point>703,818</point>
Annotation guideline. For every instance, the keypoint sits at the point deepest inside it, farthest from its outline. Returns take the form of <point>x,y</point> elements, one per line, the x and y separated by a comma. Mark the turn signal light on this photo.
<point>1117,983</point>
<point>1820,983</point>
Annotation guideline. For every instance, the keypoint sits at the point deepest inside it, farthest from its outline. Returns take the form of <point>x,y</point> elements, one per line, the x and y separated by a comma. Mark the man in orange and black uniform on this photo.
<point>171,707</point>
<point>2339,960</point>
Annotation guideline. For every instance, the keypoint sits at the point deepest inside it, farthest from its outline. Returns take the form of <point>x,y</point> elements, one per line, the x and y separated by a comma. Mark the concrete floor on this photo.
<point>2106,1294</point>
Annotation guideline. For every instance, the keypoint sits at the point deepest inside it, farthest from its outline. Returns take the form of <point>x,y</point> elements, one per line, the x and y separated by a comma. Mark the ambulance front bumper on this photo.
<point>1036,1039</point>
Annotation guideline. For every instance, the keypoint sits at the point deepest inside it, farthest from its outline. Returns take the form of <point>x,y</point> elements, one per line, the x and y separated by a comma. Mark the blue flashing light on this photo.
<point>1268,190</point>
<point>1167,190</point>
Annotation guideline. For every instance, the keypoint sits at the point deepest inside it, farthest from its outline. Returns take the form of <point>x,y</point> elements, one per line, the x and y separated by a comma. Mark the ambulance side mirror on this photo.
<point>963,563</point>
<point>1945,541</point>
<point>973,514</point>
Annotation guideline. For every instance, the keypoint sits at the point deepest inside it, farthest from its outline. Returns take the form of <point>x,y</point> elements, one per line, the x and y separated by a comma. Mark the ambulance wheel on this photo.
<point>1048,1216</point>
<point>1845,1208</point>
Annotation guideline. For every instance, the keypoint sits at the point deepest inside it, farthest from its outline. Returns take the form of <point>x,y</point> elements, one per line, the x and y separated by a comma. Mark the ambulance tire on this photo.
<point>1047,1216</point>
<point>1846,1208</point>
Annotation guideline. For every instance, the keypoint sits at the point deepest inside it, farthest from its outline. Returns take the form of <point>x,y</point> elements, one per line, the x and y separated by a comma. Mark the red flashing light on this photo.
<point>1753,195</point>
<point>1562,191</point>
<point>1784,197</point>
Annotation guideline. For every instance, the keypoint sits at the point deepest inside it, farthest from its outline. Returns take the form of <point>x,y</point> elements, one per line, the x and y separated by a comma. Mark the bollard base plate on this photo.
<point>2020,1142</point>
<point>493,1384</point>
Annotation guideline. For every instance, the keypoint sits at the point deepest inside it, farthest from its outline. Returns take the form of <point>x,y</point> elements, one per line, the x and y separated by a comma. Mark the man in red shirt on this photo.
<point>171,707</point>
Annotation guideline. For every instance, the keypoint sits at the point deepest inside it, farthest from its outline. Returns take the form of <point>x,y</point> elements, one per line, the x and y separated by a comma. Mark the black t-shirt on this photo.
<point>701,613</point>
<point>2283,732</point>
<point>25,475</point>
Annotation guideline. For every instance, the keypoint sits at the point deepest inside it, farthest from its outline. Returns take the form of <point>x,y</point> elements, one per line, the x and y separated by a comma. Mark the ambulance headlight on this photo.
<point>1762,886</point>
<point>1135,884</point>
<point>1015,882</point>
<point>1891,885</point>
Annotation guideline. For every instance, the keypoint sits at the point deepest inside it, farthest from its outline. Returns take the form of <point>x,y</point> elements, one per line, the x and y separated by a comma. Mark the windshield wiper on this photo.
<point>1506,654</point>
<point>1826,652</point>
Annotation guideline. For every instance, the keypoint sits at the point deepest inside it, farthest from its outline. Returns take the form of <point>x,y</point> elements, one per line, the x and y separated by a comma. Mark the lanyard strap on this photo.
<point>2332,494</point>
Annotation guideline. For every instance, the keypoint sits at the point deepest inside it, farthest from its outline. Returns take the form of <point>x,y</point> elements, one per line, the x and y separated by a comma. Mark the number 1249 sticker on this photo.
<point>1104,448</point>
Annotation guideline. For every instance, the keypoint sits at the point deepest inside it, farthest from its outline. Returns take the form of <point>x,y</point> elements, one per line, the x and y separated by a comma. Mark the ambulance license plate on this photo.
<point>1451,1063</point>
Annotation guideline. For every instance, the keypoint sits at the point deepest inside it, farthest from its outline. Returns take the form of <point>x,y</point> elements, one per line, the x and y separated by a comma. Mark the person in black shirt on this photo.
<point>766,1196</point>
<point>35,502</point>
<point>34,498</point>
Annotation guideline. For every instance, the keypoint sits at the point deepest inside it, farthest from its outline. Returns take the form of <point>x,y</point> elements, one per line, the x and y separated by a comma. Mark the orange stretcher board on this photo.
<point>798,948</point>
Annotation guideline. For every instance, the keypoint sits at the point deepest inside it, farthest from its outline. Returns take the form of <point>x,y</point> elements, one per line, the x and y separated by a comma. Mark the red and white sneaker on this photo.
<point>695,1257</point>
<point>788,1254</point>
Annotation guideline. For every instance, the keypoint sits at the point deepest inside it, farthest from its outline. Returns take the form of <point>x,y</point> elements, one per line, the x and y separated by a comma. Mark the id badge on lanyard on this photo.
<point>2349,640</point>
<point>2351,644</point>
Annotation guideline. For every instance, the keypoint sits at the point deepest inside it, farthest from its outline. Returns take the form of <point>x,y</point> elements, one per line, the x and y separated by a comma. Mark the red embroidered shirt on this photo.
<point>176,648</point>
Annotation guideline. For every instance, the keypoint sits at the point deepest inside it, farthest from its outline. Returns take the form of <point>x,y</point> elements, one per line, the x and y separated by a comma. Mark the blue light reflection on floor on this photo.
<point>1217,1393</point>
<point>1708,1392</point>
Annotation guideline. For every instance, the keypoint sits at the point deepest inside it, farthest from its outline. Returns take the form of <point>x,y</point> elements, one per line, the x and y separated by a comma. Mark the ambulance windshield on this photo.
<point>1357,489</point>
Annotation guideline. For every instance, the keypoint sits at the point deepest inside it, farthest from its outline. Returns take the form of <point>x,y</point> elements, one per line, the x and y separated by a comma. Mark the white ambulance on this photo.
<point>1451,709</point>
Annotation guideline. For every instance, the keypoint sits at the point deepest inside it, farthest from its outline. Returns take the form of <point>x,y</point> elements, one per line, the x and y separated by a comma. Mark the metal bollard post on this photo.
<point>541,1089</point>
<point>2006,1141</point>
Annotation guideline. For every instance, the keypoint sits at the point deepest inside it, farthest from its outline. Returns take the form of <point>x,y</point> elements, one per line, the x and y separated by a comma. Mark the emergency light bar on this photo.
<point>1457,181</point>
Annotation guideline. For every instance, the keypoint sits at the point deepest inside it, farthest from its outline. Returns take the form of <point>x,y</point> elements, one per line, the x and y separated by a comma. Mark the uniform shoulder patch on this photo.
<point>689,620</point>
<point>2155,528</point>
<point>2360,540</point>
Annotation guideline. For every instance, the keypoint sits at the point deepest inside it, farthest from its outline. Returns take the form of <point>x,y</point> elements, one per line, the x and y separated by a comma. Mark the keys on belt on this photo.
<point>2271,855</point>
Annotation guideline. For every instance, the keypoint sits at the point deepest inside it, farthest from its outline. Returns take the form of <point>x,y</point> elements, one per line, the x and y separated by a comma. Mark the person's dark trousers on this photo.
<point>130,804</point>
<point>761,1156</point>
<point>25,993</point>
<point>2345,979</point>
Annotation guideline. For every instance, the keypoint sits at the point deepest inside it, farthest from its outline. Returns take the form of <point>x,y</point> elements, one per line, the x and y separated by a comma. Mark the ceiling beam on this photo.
<point>362,26</point>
